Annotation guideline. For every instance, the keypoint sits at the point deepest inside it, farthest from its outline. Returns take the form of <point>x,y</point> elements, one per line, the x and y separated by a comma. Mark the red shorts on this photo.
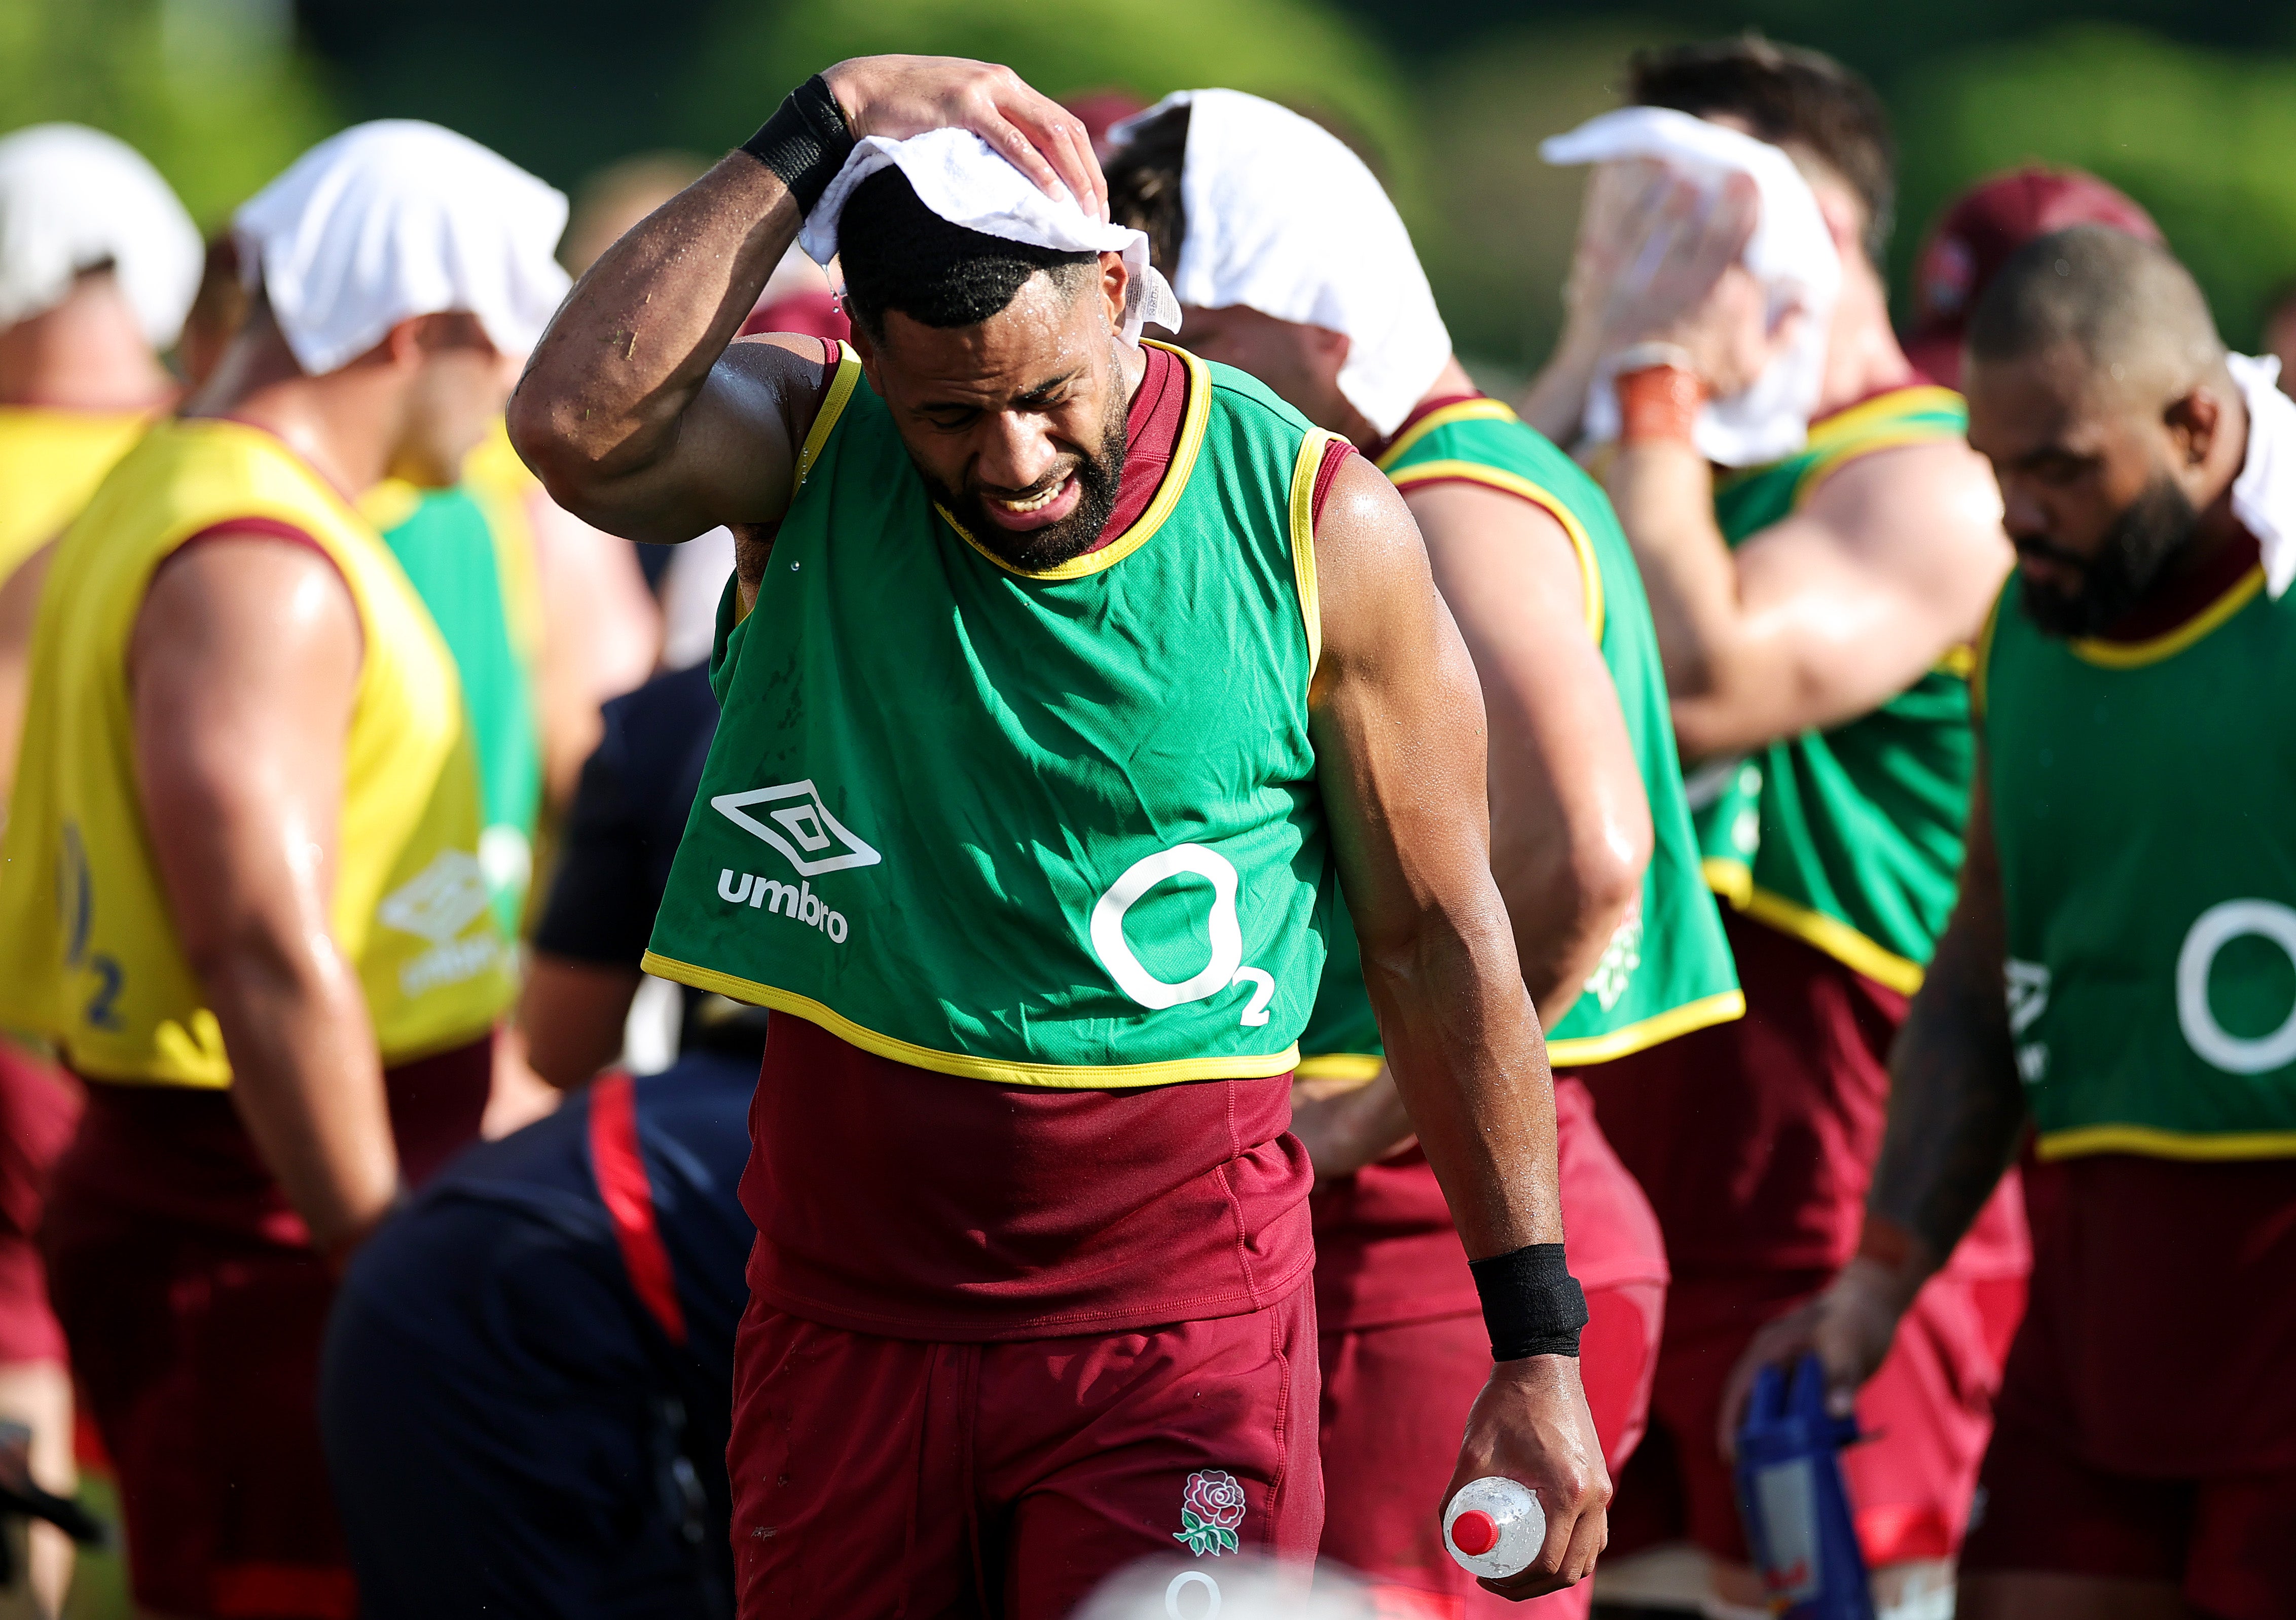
<point>1404,1354</point>
<point>893,1477</point>
<point>2229,1542</point>
<point>195,1310</point>
<point>39,1106</point>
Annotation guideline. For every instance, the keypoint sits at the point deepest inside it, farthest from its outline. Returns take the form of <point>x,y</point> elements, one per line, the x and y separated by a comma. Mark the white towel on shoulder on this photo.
<point>2264,495</point>
<point>965,180</point>
<point>1790,254</point>
<point>396,218</point>
<point>72,198</point>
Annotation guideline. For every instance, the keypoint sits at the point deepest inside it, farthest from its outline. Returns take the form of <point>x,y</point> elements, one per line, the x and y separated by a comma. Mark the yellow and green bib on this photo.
<point>1667,969</point>
<point>89,955</point>
<point>2140,796</point>
<point>1849,838</point>
<point>1058,829</point>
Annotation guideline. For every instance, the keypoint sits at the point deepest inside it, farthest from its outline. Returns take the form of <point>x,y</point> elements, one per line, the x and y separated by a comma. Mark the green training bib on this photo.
<point>1849,839</point>
<point>1667,969</point>
<point>2141,802</point>
<point>1057,829</point>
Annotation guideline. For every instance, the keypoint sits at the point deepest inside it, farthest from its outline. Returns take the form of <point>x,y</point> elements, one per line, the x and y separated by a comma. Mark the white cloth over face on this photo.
<point>2264,495</point>
<point>71,198</point>
<point>396,218</point>
<point>1791,254</point>
<point>964,179</point>
<point>1284,219</point>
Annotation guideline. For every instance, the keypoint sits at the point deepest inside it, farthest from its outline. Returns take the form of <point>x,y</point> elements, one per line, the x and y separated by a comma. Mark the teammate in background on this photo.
<point>97,264</point>
<point>1814,617</point>
<point>2116,974</point>
<point>1051,619</point>
<point>249,781</point>
<point>1600,876</point>
<point>1976,234</point>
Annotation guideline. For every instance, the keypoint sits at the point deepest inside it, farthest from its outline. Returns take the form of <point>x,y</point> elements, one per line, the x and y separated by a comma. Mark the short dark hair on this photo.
<point>1144,184</point>
<point>899,254</point>
<point>1790,97</point>
<point>2114,300</point>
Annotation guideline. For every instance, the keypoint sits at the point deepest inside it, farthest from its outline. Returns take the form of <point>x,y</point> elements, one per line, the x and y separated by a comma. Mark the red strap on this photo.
<point>622,1183</point>
<point>1335,455</point>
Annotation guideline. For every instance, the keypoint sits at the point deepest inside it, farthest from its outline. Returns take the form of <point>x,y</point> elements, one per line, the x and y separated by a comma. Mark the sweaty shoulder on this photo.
<point>1932,505</point>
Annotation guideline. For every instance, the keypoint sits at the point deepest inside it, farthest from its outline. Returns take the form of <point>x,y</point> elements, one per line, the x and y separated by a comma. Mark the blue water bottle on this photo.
<point>1792,1500</point>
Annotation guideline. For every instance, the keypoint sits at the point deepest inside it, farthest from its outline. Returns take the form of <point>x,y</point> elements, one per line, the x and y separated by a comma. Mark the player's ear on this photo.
<point>2193,422</point>
<point>1115,287</point>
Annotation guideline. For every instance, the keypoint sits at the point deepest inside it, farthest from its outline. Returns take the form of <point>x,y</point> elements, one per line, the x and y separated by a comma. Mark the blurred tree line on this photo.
<point>2188,104</point>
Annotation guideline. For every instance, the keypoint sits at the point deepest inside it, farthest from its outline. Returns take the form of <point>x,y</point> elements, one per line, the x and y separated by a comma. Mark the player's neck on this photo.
<point>344,424</point>
<point>1862,355</point>
<point>86,354</point>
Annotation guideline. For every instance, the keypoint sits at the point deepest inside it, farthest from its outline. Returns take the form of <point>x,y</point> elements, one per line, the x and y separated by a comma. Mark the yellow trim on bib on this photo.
<point>1048,1076</point>
<point>1361,1067</point>
<point>1168,491</point>
<point>1481,409</point>
<point>1734,883</point>
<point>2134,654</point>
<point>1707,1011</point>
<point>2156,1144</point>
<point>1983,661</point>
<point>1590,572</point>
<point>1305,466</point>
<point>841,385</point>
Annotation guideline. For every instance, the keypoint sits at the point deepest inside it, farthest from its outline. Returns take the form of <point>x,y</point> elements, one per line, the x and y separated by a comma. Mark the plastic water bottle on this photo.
<point>1494,1527</point>
<point>1792,1500</point>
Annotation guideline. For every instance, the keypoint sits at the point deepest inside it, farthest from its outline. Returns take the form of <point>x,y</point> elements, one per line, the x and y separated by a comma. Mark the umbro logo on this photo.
<point>802,829</point>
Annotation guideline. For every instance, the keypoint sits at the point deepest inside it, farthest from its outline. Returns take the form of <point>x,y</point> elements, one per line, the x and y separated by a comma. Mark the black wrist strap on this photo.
<point>1531,1304</point>
<point>806,142</point>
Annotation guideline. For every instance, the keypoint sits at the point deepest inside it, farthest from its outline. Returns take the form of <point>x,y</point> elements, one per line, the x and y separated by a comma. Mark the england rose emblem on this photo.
<point>1210,1509</point>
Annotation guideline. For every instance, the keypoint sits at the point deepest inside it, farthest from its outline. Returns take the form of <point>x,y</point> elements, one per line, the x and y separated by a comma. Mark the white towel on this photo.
<point>396,218</point>
<point>71,198</point>
<point>961,177</point>
<point>1790,254</point>
<point>2264,495</point>
<point>1283,218</point>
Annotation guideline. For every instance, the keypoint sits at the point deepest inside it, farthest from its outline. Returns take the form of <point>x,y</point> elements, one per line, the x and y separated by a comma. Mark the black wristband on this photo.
<point>1531,1304</point>
<point>806,142</point>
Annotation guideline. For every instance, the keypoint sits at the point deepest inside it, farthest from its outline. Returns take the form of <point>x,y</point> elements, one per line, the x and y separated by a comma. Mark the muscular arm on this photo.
<point>1399,732</point>
<point>244,666</point>
<point>1571,830</point>
<point>1890,563</point>
<point>636,414</point>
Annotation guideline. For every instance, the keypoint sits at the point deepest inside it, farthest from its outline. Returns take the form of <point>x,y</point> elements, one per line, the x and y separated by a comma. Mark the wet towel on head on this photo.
<point>396,218</point>
<point>73,199</point>
<point>1791,254</point>
<point>1284,219</point>
<point>961,177</point>
<point>2264,495</point>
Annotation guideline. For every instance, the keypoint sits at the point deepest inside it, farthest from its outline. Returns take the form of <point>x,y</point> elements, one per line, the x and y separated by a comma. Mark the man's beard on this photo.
<point>1099,478</point>
<point>2143,539</point>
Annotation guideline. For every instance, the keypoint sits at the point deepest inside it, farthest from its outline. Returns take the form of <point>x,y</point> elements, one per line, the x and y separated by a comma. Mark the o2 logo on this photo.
<point>1227,967</point>
<point>2211,931</point>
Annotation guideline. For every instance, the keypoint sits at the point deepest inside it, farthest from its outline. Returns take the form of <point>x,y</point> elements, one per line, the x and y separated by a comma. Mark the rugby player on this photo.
<point>2115,975</point>
<point>240,888</point>
<point>1049,622</point>
<point>98,262</point>
<point>1592,844</point>
<point>1813,616</point>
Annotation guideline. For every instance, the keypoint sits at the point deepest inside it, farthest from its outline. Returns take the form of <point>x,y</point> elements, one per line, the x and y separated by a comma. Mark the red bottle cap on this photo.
<point>1473,1534</point>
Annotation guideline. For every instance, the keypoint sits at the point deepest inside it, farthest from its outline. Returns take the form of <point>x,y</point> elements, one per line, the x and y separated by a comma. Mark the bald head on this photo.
<point>2098,390</point>
<point>2115,309</point>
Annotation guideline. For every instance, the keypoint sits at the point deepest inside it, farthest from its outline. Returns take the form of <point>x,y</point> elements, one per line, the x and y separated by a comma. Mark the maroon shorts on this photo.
<point>195,1310</point>
<point>39,1106</point>
<point>893,1477</point>
<point>2228,1542</point>
<point>1394,1401</point>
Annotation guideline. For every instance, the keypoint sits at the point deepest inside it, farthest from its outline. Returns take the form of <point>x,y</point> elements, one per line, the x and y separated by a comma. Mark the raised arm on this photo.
<point>1890,564</point>
<point>638,409</point>
<point>1399,729</point>
<point>1956,1113</point>
<point>243,671</point>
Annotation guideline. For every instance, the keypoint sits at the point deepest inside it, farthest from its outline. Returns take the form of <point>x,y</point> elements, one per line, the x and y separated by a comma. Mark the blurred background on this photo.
<point>2190,105</point>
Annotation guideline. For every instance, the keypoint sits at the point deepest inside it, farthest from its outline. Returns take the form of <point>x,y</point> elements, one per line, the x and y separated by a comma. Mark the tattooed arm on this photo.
<point>1957,1111</point>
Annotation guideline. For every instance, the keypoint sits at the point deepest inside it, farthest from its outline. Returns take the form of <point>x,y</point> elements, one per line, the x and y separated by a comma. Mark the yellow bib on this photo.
<point>50,462</point>
<point>89,957</point>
